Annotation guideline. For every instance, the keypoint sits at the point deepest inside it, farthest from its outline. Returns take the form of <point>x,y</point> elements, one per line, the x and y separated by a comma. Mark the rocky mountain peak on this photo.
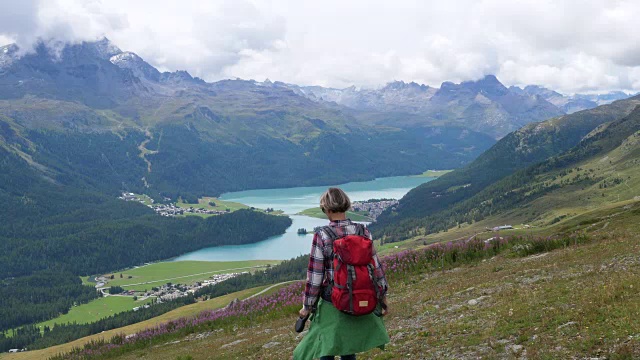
<point>539,90</point>
<point>490,80</point>
<point>86,51</point>
<point>401,85</point>
<point>7,54</point>
<point>489,85</point>
<point>133,62</point>
<point>104,48</point>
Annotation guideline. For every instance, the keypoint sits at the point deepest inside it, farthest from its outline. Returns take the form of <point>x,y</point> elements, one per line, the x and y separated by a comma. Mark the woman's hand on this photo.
<point>385,307</point>
<point>303,312</point>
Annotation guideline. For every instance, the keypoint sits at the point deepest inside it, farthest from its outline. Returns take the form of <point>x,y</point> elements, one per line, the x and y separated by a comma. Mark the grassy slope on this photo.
<point>434,173</point>
<point>184,311</point>
<point>180,272</point>
<point>94,311</point>
<point>203,203</point>
<point>601,171</point>
<point>221,205</point>
<point>575,302</point>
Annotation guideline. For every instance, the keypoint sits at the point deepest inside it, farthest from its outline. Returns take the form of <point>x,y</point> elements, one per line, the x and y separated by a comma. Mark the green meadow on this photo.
<point>95,310</point>
<point>180,272</point>
<point>220,205</point>
<point>434,173</point>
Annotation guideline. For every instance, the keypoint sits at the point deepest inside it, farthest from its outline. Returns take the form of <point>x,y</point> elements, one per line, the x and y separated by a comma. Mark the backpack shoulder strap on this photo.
<point>332,233</point>
<point>360,229</point>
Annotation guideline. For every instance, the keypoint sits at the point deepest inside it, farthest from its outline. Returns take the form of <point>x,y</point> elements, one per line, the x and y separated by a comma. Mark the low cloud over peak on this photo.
<point>571,46</point>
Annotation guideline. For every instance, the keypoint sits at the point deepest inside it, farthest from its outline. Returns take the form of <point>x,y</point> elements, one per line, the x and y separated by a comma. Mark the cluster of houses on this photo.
<point>169,291</point>
<point>167,210</point>
<point>375,208</point>
<point>204,211</point>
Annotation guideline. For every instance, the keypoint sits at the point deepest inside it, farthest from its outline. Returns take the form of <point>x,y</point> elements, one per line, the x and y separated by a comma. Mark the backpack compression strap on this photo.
<point>334,236</point>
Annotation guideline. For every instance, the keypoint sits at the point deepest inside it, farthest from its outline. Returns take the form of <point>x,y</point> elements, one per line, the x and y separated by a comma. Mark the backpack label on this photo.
<point>363,303</point>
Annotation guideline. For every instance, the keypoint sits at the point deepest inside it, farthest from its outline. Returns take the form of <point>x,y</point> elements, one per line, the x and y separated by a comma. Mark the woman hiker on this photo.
<point>332,332</point>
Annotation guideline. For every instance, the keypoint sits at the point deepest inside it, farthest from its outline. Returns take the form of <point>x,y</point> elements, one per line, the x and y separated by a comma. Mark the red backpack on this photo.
<point>353,289</point>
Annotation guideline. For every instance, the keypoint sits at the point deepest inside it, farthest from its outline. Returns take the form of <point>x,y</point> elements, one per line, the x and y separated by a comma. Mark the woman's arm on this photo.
<point>315,273</point>
<point>378,273</point>
<point>381,280</point>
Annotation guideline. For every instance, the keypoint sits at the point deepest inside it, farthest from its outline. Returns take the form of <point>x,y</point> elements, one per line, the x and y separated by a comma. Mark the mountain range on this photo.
<point>185,129</point>
<point>572,103</point>
<point>485,105</point>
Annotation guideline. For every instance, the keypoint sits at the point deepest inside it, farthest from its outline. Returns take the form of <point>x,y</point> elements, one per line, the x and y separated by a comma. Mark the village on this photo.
<point>165,292</point>
<point>169,209</point>
<point>169,291</point>
<point>374,207</point>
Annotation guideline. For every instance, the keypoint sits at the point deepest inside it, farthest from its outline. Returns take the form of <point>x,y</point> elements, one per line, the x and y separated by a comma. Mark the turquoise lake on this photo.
<point>292,201</point>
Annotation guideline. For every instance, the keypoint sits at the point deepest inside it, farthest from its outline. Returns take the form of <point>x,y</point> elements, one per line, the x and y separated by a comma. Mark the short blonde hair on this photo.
<point>335,200</point>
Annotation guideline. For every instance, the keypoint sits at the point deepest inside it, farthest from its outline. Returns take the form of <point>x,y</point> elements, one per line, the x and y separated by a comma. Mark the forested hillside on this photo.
<point>601,170</point>
<point>534,143</point>
<point>55,228</point>
<point>47,225</point>
<point>29,299</point>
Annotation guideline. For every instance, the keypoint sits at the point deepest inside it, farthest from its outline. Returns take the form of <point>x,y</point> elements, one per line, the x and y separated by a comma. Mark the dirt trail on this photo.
<point>144,151</point>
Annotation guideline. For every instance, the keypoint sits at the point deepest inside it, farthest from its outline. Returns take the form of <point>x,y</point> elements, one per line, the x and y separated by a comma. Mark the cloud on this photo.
<point>570,46</point>
<point>27,21</point>
<point>201,37</point>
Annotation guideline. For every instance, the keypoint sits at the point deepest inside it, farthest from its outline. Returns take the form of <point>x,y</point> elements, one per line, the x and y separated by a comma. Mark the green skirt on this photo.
<point>332,332</point>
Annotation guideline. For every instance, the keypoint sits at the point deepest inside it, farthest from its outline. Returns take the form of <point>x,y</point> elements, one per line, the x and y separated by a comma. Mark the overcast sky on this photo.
<point>569,46</point>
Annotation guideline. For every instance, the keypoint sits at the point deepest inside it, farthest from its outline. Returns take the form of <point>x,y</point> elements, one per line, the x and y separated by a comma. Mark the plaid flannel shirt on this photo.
<point>320,270</point>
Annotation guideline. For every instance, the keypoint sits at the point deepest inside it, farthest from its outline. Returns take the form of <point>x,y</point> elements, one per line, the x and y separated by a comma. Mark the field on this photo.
<point>434,173</point>
<point>353,215</point>
<point>96,310</point>
<point>180,272</point>
<point>203,203</point>
<point>221,205</point>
